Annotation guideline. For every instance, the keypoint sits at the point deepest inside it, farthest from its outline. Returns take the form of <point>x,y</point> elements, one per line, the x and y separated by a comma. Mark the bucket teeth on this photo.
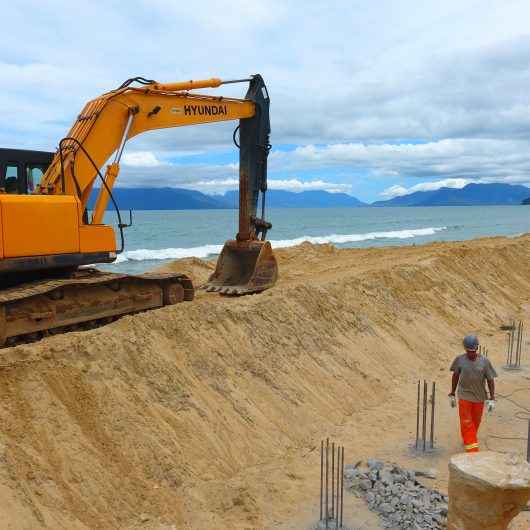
<point>243,267</point>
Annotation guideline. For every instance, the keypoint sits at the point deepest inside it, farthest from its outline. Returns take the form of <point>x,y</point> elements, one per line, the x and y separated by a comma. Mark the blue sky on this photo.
<point>370,98</point>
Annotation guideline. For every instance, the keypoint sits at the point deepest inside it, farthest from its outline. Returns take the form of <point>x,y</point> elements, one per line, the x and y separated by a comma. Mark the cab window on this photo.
<point>11,178</point>
<point>33,178</point>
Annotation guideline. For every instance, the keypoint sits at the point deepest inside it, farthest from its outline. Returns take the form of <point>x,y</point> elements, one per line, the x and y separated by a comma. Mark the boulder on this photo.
<point>486,490</point>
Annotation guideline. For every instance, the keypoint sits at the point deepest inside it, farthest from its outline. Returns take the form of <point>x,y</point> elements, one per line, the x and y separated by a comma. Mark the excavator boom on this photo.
<point>47,233</point>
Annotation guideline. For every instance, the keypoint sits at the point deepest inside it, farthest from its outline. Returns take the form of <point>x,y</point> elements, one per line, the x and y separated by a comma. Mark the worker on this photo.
<point>470,372</point>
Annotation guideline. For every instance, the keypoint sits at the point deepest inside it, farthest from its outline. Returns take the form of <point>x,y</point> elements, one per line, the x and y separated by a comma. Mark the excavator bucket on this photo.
<point>244,267</point>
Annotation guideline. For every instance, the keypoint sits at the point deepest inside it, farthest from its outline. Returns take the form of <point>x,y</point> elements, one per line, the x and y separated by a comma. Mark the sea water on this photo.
<point>160,236</point>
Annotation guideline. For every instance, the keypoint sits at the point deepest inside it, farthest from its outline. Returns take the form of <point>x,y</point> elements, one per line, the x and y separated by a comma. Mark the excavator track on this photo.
<point>84,299</point>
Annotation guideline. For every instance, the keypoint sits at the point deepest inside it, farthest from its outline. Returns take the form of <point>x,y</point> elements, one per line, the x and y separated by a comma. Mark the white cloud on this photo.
<point>140,159</point>
<point>450,160</point>
<point>396,191</point>
<point>358,77</point>
<point>296,185</point>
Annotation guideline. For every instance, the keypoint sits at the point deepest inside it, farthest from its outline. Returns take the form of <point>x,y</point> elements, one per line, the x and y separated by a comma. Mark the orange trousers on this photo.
<point>470,416</point>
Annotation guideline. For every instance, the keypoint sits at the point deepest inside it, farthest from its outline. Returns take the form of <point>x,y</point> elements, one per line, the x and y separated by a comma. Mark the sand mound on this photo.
<point>183,416</point>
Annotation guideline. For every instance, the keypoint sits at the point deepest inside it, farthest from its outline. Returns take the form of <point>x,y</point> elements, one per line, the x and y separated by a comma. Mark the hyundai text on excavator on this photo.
<point>48,237</point>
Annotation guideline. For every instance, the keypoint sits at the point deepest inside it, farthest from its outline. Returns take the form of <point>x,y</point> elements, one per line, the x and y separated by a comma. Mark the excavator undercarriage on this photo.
<point>83,299</point>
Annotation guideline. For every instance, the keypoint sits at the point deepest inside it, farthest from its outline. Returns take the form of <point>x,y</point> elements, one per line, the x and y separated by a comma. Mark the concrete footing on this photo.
<point>486,490</point>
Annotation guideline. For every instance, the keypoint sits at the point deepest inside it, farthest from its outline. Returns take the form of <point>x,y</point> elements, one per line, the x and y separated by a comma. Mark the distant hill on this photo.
<point>183,199</point>
<point>163,199</point>
<point>303,199</point>
<point>526,201</point>
<point>470,195</point>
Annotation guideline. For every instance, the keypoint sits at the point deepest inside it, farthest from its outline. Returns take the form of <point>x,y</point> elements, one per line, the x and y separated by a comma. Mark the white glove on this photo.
<point>490,405</point>
<point>452,401</point>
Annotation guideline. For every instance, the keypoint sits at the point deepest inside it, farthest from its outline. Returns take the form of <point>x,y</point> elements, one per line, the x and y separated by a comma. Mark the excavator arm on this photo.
<point>107,122</point>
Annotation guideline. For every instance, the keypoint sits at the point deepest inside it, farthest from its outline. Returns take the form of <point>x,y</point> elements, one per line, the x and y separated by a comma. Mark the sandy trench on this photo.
<point>210,414</point>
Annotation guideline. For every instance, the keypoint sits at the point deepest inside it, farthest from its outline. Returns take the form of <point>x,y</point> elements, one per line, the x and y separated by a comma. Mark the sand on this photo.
<point>209,414</point>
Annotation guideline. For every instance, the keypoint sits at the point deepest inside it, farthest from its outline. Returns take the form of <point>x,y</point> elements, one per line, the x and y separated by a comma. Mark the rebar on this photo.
<point>342,486</point>
<point>512,338</point>
<point>321,475</point>
<point>519,343</point>
<point>424,428</point>
<point>514,344</point>
<point>327,478</point>
<point>418,416</point>
<point>337,484</point>
<point>433,400</point>
<point>528,444</point>
<point>333,480</point>
<point>337,504</point>
<point>424,415</point>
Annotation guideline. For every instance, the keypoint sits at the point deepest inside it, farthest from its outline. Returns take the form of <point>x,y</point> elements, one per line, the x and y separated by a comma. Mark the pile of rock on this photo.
<point>399,499</point>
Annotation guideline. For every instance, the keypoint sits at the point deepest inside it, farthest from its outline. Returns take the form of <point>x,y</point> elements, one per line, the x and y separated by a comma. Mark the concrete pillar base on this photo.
<point>486,490</point>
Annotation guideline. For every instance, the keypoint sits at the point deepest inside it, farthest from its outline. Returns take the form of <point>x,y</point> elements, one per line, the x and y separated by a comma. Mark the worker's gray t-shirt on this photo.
<point>473,375</point>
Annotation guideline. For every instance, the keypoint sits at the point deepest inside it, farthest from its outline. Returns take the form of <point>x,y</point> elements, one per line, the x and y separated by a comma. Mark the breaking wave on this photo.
<point>205,251</point>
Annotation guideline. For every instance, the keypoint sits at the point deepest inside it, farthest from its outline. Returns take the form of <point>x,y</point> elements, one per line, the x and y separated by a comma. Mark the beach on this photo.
<point>210,414</point>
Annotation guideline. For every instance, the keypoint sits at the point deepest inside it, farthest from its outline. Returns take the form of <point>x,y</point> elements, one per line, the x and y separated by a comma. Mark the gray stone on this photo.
<point>370,497</point>
<point>365,484</point>
<point>351,473</point>
<point>386,477</point>
<point>387,508</point>
<point>375,464</point>
<point>373,475</point>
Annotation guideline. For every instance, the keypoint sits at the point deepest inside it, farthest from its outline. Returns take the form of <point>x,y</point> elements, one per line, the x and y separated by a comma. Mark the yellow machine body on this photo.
<point>46,232</point>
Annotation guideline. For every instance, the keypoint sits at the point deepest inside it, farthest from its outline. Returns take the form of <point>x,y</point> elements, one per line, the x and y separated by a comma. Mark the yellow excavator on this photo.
<point>48,237</point>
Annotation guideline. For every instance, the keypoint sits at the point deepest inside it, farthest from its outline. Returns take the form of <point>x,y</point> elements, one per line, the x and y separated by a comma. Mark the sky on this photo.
<point>374,99</point>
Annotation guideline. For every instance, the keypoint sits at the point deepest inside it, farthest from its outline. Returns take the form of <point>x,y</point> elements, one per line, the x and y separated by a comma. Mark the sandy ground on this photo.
<point>210,414</point>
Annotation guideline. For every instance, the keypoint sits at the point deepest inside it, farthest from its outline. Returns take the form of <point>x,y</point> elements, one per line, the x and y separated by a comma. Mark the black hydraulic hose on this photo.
<point>234,137</point>
<point>120,224</point>
<point>141,80</point>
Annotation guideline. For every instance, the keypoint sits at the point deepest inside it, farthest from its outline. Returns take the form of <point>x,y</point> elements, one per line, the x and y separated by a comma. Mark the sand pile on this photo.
<point>206,414</point>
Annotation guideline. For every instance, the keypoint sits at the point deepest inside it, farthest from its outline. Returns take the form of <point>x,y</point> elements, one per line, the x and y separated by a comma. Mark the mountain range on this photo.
<point>184,199</point>
<point>470,195</point>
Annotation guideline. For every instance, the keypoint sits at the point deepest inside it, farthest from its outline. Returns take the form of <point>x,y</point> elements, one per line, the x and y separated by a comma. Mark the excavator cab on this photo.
<point>247,264</point>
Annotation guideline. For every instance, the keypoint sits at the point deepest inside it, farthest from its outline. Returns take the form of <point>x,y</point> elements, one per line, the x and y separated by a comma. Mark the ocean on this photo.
<point>160,236</point>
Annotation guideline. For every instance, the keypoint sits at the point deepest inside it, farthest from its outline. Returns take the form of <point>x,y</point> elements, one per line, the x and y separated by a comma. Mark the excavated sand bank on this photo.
<point>207,414</point>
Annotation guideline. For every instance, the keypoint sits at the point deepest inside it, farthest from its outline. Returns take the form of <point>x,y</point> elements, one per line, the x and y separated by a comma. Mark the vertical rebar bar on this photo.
<point>522,342</point>
<point>508,349</point>
<point>418,416</point>
<point>327,482</point>
<point>342,487</point>
<point>333,480</point>
<point>321,475</point>
<point>337,504</point>
<point>433,400</point>
<point>512,339</point>
<point>327,479</point>
<point>528,444</point>
<point>519,343</point>
<point>516,343</point>
<point>424,426</point>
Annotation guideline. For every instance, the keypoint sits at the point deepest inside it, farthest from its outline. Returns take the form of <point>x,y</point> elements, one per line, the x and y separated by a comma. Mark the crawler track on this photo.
<point>84,299</point>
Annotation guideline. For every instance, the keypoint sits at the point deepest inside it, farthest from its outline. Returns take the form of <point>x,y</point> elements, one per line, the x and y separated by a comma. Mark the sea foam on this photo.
<point>205,251</point>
